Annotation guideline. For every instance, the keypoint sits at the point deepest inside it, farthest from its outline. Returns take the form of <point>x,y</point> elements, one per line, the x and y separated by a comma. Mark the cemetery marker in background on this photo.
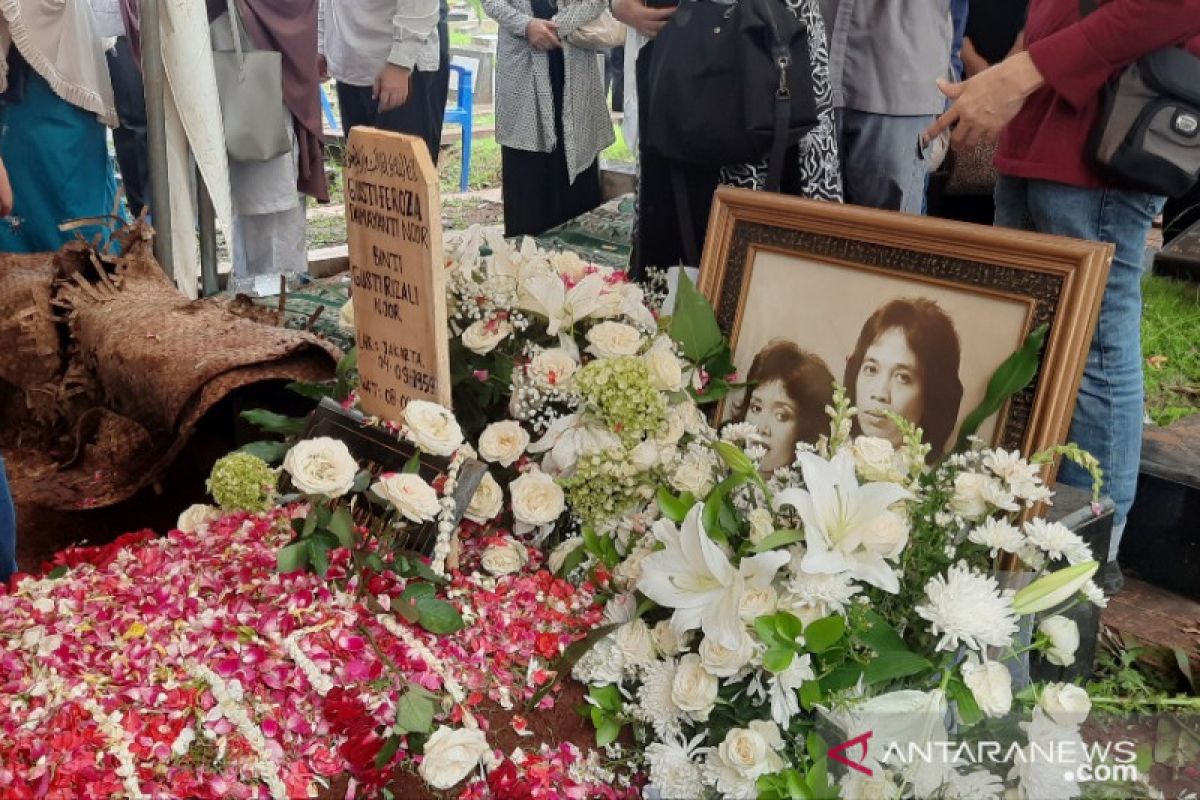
<point>394,226</point>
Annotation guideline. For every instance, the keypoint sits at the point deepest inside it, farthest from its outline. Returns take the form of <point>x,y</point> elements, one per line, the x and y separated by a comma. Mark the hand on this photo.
<point>391,87</point>
<point>322,68</point>
<point>639,16</point>
<point>543,34</point>
<point>6,195</point>
<point>984,104</point>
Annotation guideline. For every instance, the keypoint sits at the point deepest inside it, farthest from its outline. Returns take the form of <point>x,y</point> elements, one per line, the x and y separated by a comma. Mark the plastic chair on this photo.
<point>327,108</point>
<point>461,114</point>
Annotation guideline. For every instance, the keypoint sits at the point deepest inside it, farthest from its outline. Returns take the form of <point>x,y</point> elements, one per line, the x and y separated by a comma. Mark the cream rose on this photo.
<point>487,502</point>
<point>536,499</point>
<point>346,316</point>
<point>195,516</point>
<point>886,535</point>
<point>762,524</point>
<point>968,499</point>
<point>1064,639</point>
<point>667,641</point>
<point>483,336</point>
<point>666,373</point>
<point>613,339</point>
<point>504,557</point>
<point>757,603</point>
<point>722,662</point>
<point>551,368</point>
<point>1067,704</point>
<point>568,264</point>
<point>673,430</point>
<point>694,474</point>
<point>610,303</point>
<point>451,754</point>
<point>409,494</point>
<point>991,683</point>
<point>629,571</point>
<point>876,459</point>
<point>503,442</point>
<point>432,428</point>
<point>558,556</point>
<point>321,466</point>
<point>748,751</point>
<point>694,690</point>
<point>635,643</point>
<point>645,455</point>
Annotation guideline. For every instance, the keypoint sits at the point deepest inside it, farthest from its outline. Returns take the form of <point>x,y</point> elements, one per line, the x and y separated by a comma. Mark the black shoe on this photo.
<point>1110,579</point>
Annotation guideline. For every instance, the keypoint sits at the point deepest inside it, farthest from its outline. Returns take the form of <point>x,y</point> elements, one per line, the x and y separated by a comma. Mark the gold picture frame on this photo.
<point>778,267</point>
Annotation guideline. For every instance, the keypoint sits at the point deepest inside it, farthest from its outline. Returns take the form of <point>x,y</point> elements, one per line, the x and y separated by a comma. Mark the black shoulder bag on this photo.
<point>1148,135</point>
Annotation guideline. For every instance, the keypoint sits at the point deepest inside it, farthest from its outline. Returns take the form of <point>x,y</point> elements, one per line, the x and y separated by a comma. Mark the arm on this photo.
<point>1077,60</point>
<point>414,27</point>
<point>321,28</point>
<point>1018,45</point>
<point>576,14</point>
<point>6,195</point>
<point>509,18</point>
<point>973,63</point>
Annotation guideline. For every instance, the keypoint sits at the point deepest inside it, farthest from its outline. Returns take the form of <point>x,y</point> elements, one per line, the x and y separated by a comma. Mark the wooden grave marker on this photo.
<point>394,227</point>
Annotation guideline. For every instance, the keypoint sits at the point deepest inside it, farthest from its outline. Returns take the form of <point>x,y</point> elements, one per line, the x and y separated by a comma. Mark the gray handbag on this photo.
<point>250,88</point>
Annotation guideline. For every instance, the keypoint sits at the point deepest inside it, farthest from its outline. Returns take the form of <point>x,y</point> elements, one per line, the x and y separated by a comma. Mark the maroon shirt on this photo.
<point>1048,138</point>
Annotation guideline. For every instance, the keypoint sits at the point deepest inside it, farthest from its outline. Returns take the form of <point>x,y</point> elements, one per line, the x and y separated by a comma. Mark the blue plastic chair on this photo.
<point>461,114</point>
<point>327,107</point>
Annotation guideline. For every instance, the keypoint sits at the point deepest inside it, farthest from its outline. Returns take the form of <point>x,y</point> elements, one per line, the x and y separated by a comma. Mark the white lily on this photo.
<point>568,439</point>
<point>695,577</point>
<point>837,514</point>
<point>544,292</point>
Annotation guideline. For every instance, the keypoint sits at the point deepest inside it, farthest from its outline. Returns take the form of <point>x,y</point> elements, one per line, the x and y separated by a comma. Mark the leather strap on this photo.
<point>783,115</point>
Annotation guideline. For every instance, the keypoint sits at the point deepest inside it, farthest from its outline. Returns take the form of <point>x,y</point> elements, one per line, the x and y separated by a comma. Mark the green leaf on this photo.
<point>607,731</point>
<point>880,636</point>
<point>385,754</point>
<point>438,616</point>
<point>693,324</point>
<point>895,665</point>
<point>313,391</point>
<point>274,423</point>
<point>415,591</point>
<point>810,694</point>
<point>347,365</point>
<point>796,788</point>
<point>413,465</point>
<point>58,572</point>
<point>1011,377</point>
<point>964,700</point>
<point>375,563</point>
<point>292,557</point>
<point>673,508</point>
<point>823,634</point>
<point>572,561</point>
<point>841,678</point>
<point>414,712</point>
<point>341,525</point>
<point>361,481</point>
<point>788,625</point>
<point>607,697</point>
<point>318,555</point>
<point>778,658</point>
<point>414,564</point>
<point>780,538</point>
<point>719,363</point>
<point>737,461</point>
<point>268,451</point>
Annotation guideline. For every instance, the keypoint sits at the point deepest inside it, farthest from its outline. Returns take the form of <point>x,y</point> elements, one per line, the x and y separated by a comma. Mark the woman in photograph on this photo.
<point>907,361</point>
<point>789,389</point>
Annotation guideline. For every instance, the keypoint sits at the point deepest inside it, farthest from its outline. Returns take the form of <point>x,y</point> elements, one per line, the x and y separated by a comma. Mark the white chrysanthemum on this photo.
<point>1095,595</point>
<point>997,535</point>
<point>1058,541</point>
<point>977,785</point>
<point>738,432</point>
<point>673,772</point>
<point>968,608</point>
<point>1021,476</point>
<point>656,705</point>
<point>601,664</point>
<point>835,592</point>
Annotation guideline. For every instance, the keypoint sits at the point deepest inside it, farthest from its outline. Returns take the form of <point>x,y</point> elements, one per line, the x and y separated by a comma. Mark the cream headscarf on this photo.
<point>58,38</point>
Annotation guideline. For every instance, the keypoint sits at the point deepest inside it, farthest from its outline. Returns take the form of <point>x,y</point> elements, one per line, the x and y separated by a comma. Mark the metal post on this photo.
<point>208,238</point>
<point>154,78</point>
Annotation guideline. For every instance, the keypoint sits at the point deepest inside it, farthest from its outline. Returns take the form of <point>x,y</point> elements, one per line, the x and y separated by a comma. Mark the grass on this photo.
<point>485,166</point>
<point>618,150</point>
<point>1171,347</point>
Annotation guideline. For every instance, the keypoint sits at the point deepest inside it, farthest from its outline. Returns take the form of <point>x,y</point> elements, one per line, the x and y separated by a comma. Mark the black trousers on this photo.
<point>422,115</point>
<point>129,140</point>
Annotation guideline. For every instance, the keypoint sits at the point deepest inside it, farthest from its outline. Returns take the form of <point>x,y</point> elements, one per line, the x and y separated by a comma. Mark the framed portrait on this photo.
<point>910,314</point>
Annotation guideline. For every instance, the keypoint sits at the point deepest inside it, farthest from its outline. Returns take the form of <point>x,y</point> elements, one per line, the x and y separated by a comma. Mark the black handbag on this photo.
<point>729,84</point>
<point>1148,135</point>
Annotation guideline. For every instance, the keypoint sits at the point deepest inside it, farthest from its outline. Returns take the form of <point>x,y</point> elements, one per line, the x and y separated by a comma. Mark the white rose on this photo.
<point>487,502</point>
<point>886,535</point>
<point>451,754</point>
<point>636,644</point>
<point>415,499</point>
<point>645,455</point>
<point>621,608</point>
<point>694,690</point>
<point>1067,704</point>
<point>756,603</point>
<point>321,466</point>
<point>196,515</point>
<point>673,430</point>
<point>504,557</point>
<point>346,316</point>
<point>968,499</point>
<point>694,474</point>
<point>629,571</point>
<point>536,499</point>
<point>558,556</point>
<point>1064,639</point>
<point>667,641</point>
<point>722,662</point>
<point>991,683</point>
<point>609,304</point>
<point>568,264</point>
<point>747,752</point>
<point>432,428</point>
<point>503,442</point>
<point>483,336</point>
<point>612,339</point>
<point>876,459</point>
<point>551,368</point>
<point>666,373</point>
<point>762,524</point>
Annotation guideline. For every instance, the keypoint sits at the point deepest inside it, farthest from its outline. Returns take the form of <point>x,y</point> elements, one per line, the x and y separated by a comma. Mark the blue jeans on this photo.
<point>1111,405</point>
<point>8,528</point>
<point>880,165</point>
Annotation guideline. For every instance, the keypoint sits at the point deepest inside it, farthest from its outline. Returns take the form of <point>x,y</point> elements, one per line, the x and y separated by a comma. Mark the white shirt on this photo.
<point>108,18</point>
<point>357,40</point>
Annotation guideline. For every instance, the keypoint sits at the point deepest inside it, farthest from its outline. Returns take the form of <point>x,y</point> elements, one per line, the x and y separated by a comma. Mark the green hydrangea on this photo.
<point>605,486</point>
<point>242,482</point>
<point>620,391</point>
